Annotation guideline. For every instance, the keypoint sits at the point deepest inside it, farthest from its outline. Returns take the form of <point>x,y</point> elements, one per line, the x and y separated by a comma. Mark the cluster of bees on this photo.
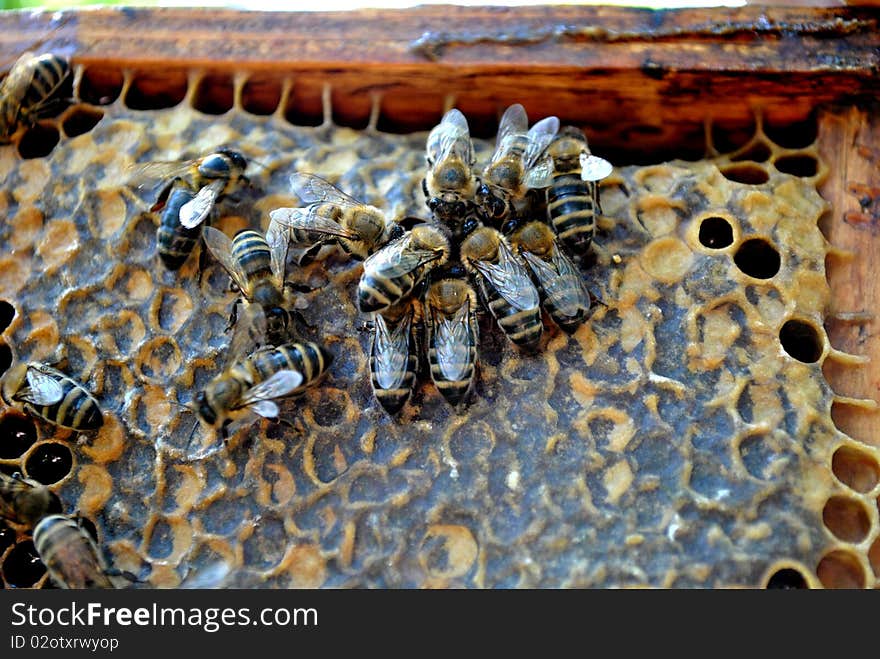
<point>509,237</point>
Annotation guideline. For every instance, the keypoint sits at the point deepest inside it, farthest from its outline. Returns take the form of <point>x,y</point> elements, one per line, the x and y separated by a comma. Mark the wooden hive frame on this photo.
<point>649,85</point>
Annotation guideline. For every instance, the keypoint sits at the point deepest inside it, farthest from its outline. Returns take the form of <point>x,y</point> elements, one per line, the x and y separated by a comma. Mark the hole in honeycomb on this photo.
<point>304,106</point>
<point>874,557</point>
<point>5,358</point>
<point>17,435</point>
<point>840,569</point>
<point>793,134</point>
<point>801,340</point>
<point>733,136</point>
<point>745,173</point>
<point>847,519</point>
<point>7,313</point>
<point>100,86</point>
<point>758,152</point>
<point>215,94</point>
<point>855,469</point>
<point>22,567</point>
<point>715,233</point>
<point>49,463</point>
<point>154,91</point>
<point>261,95</point>
<point>38,141</point>
<point>80,121</point>
<point>7,537</point>
<point>757,258</point>
<point>787,579</point>
<point>804,166</point>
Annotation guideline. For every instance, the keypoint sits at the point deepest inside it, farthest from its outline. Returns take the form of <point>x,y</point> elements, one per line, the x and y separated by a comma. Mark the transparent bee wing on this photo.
<point>452,343</point>
<point>312,189</point>
<point>221,249</point>
<point>265,408</point>
<point>514,121</point>
<point>540,175</point>
<point>561,282</point>
<point>216,575</point>
<point>49,98</point>
<point>539,137</point>
<point>311,218</point>
<point>510,279</point>
<point>280,384</point>
<point>42,389</point>
<point>146,174</point>
<point>249,332</point>
<point>451,137</point>
<point>10,489</point>
<point>278,239</point>
<point>594,168</point>
<point>15,85</point>
<point>391,350</point>
<point>196,210</point>
<point>395,260</point>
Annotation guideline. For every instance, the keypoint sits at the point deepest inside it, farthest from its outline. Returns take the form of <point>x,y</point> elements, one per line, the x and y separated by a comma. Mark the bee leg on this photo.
<point>233,315</point>
<point>309,255</point>
<point>57,358</point>
<point>125,574</point>
<point>287,422</point>
<point>301,321</point>
<point>203,263</point>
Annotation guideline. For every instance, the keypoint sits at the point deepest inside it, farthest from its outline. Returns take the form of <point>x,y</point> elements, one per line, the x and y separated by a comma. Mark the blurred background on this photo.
<point>334,5</point>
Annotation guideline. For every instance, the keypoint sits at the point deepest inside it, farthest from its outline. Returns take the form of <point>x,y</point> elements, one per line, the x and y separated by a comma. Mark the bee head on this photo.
<point>494,206</point>
<point>448,207</point>
<point>396,232</point>
<point>204,409</point>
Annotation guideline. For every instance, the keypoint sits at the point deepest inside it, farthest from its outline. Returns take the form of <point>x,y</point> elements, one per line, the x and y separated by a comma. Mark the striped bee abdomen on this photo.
<point>522,326</point>
<point>571,208</point>
<point>174,241</point>
<point>251,251</point>
<point>309,359</point>
<point>70,555</point>
<point>50,71</point>
<point>77,409</point>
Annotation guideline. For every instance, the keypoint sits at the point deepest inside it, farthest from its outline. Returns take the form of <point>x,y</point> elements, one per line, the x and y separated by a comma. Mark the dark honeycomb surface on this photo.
<point>681,438</point>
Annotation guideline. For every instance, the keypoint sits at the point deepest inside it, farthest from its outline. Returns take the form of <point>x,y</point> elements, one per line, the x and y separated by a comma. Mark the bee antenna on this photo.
<point>193,431</point>
<point>186,407</point>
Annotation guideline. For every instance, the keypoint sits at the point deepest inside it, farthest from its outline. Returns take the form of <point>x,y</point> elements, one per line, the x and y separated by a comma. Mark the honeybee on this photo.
<point>332,216</point>
<point>52,396</point>
<point>393,360</point>
<point>26,502</point>
<point>573,195</point>
<point>256,265</point>
<point>31,90</point>
<point>250,383</point>
<point>453,335</point>
<point>392,273</point>
<point>506,286</point>
<point>449,185</point>
<point>515,168</point>
<point>190,191</point>
<point>70,555</point>
<point>562,289</point>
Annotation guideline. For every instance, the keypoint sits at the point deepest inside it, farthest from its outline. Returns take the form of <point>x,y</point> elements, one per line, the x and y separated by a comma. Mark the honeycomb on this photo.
<point>681,438</point>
